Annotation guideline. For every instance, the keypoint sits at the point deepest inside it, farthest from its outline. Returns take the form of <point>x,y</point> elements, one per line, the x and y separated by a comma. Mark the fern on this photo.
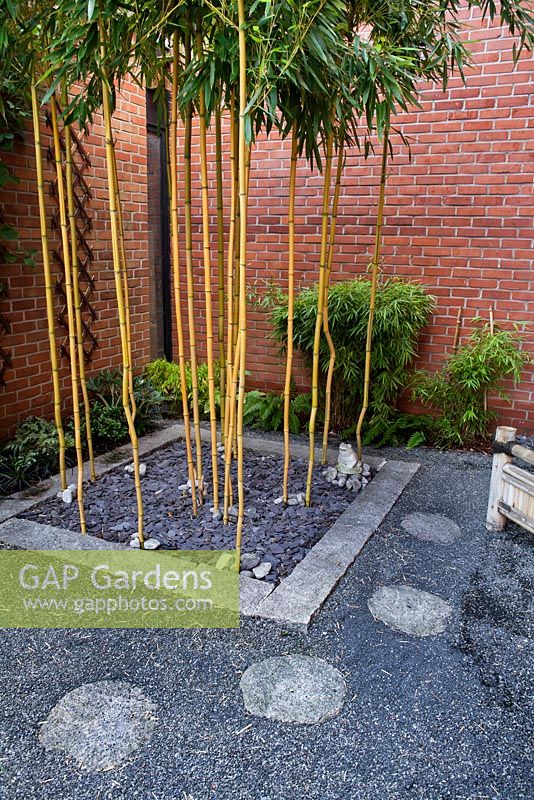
<point>266,412</point>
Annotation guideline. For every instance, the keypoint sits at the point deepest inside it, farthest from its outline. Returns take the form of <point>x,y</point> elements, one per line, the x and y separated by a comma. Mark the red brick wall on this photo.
<point>28,387</point>
<point>458,219</point>
<point>458,216</point>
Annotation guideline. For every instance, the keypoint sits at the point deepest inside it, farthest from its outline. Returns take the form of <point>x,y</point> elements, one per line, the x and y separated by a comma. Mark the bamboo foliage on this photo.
<point>49,289</point>
<point>320,305</point>
<point>374,282</point>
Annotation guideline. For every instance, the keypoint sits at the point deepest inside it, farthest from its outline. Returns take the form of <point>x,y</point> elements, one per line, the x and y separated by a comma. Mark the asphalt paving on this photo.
<point>446,717</point>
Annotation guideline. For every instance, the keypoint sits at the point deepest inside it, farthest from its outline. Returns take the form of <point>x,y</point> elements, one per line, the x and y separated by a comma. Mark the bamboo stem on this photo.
<point>230,259</point>
<point>173,135</point>
<point>69,174</point>
<point>374,282</point>
<point>242,270</point>
<point>119,286</point>
<point>457,330</point>
<point>230,436</point>
<point>190,281</point>
<point>220,263</point>
<point>124,272</point>
<point>207,281</point>
<point>319,320</point>
<point>326,326</point>
<point>290,306</point>
<point>63,221</point>
<point>49,289</point>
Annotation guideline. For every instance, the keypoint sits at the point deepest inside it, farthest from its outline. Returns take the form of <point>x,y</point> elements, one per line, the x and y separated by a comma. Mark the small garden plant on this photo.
<point>459,392</point>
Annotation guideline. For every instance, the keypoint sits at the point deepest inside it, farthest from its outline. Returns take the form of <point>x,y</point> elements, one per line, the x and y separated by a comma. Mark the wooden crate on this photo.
<point>512,488</point>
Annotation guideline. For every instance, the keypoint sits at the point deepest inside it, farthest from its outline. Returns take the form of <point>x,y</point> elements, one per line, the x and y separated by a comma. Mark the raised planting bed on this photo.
<point>272,534</point>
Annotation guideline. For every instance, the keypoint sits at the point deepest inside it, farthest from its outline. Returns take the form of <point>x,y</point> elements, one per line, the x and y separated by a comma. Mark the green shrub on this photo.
<point>459,391</point>
<point>165,376</point>
<point>402,309</point>
<point>31,455</point>
<point>108,422</point>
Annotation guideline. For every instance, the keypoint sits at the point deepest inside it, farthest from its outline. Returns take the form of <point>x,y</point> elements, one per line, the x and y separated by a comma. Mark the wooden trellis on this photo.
<point>512,488</point>
<point>82,196</point>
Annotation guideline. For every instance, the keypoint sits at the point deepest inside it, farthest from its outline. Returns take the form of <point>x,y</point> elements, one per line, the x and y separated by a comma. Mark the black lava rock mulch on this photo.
<point>276,534</point>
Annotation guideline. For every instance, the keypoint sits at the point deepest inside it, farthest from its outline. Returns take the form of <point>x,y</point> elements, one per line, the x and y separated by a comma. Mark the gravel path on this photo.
<point>281,536</point>
<point>445,717</point>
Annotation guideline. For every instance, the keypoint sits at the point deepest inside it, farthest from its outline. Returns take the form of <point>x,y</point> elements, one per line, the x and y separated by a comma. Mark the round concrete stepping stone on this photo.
<point>432,528</point>
<point>410,610</point>
<point>99,724</point>
<point>293,688</point>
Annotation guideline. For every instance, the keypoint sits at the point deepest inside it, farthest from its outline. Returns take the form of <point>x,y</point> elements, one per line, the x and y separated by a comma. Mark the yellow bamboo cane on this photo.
<point>173,135</point>
<point>230,260</point>
<point>124,272</point>
<point>190,281</point>
<point>49,289</point>
<point>207,281</point>
<point>326,325</point>
<point>290,305</point>
<point>242,270</point>
<point>374,282</point>
<point>319,320</point>
<point>69,176</point>
<point>230,436</point>
<point>63,222</point>
<point>119,287</point>
<point>220,263</point>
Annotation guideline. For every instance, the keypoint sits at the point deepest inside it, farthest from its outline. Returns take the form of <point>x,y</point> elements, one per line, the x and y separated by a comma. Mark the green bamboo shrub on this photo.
<point>459,391</point>
<point>402,310</point>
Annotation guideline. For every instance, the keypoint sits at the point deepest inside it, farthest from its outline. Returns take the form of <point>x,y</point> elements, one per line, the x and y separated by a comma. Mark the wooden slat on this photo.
<point>516,516</point>
<point>523,453</point>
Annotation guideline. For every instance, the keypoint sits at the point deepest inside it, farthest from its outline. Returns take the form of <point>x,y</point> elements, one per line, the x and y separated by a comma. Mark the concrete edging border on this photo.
<point>296,600</point>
